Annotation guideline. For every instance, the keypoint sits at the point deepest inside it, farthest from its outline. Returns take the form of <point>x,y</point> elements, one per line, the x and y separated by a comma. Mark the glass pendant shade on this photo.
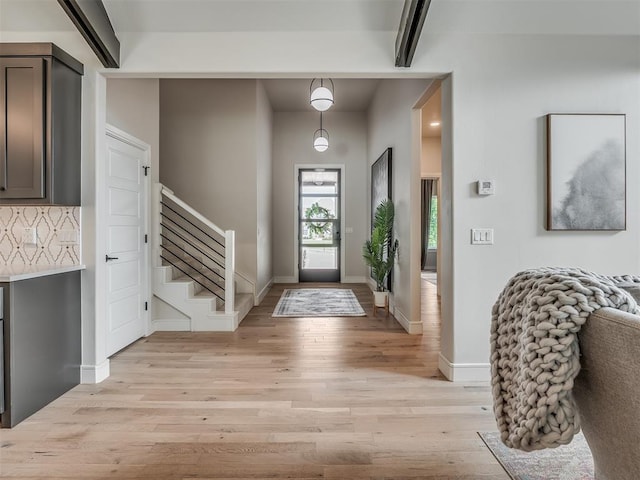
<point>321,140</point>
<point>321,97</point>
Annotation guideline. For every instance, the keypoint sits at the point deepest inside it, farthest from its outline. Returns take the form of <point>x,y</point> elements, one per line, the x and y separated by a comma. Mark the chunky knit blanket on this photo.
<point>535,353</point>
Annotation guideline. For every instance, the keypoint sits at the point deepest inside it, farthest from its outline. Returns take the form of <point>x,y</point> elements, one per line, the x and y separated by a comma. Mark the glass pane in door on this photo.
<point>319,258</point>
<point>319,225</point>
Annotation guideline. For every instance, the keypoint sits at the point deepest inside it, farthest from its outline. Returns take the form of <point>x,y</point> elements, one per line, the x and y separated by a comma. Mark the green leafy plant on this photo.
<point>380,251</point>
<point>316,211</point>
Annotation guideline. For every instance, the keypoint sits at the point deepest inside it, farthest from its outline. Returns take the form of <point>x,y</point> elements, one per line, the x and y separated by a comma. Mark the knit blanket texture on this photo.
<point>535,354</point>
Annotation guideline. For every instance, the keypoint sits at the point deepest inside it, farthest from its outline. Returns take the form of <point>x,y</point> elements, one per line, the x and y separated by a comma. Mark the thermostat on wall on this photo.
<point>486,187</point>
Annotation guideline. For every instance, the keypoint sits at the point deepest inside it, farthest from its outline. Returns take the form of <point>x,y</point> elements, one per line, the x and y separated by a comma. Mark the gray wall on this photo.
<point>391,124</point>
<point>208,155</point>
<point>264,135</point>
<point>292,145</point>
<point>133,106</point>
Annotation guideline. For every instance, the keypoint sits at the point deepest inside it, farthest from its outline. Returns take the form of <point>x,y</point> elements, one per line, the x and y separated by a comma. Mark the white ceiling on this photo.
<point>213,15</point>
<point>292,95</point>
<point>253,15</point>
<point>591,17</point>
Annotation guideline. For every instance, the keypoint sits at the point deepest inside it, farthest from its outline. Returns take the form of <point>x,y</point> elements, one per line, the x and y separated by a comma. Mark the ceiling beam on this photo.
<point>92,21</point>
<point>414,14</point>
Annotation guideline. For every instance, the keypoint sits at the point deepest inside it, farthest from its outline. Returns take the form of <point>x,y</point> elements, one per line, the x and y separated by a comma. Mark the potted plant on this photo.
<point>380,251</point>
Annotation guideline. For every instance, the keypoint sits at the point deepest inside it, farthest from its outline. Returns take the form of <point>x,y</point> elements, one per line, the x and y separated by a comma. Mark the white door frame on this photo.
<point>296,199</point>
<point>101,227</point>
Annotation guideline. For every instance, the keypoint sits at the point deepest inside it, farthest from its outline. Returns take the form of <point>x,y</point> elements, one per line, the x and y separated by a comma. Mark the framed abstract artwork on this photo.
<point>586,172</point>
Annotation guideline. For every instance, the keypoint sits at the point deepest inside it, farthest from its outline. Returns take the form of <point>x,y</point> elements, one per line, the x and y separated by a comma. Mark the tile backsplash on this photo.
<point>57,235</point>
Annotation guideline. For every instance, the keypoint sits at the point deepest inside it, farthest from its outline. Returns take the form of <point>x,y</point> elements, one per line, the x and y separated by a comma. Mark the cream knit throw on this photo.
<point>535,354</point>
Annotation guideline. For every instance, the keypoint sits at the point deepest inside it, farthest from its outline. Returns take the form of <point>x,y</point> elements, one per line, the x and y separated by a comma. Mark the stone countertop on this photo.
<point>13,273</point>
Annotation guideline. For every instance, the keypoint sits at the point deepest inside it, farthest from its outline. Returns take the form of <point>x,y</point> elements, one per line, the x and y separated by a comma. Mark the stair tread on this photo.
<point>183,278</point>
<point>206,294</point>
<point>180,280</point>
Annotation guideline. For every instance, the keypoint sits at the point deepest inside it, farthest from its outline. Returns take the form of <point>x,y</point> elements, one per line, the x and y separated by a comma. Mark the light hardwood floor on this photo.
<point>301,398</point>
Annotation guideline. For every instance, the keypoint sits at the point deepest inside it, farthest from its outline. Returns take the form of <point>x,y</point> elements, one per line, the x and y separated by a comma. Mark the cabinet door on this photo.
<point>22,128</point>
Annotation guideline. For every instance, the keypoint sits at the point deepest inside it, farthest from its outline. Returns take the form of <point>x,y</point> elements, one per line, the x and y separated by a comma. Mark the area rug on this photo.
<point>568,462</point>
<point>318,302</point>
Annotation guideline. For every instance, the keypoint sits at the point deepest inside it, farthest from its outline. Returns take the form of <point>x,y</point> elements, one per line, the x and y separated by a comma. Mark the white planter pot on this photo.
<point>380,299</point>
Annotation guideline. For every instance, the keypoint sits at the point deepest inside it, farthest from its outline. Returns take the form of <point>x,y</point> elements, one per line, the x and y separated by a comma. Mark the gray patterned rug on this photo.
<point>567,462</point>
<point>318,302</point>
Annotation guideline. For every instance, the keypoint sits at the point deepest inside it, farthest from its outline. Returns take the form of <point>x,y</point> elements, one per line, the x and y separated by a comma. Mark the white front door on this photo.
<point>125,255</point>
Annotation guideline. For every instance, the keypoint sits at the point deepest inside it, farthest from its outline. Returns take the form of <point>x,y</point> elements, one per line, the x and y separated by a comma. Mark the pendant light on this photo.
<point>321,138</point>
<point>321,94</point>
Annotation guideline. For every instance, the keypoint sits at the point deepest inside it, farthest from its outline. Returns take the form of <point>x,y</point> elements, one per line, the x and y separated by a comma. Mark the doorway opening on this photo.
<point>430,172</point>
<point>319,215</point>
<point>431,265</point>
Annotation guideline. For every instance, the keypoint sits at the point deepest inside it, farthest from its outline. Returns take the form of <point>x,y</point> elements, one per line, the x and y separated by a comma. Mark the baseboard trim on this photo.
<point>263,292</point>
<point>90,374</point>
<point>354,280</point>
<point>284,280</point>
<point>372,284</point>
<point>218,322</point>
<point>412,328</point>
<point>171,325</point>
<point>464,372</point>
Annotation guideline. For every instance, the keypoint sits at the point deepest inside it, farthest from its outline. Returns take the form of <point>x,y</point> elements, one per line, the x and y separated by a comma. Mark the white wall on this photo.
<point>431,157</point>
<point>208,155</point>
<point>264,135</point>
<point>292,145</point>
<point>133,105</point>
<point>391,124</point>
<point>498,132</point>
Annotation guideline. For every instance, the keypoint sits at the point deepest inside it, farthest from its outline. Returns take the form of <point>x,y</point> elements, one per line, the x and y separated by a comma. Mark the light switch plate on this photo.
<point>482,236</point>
<point>67,237</point>
<point>30,236</point>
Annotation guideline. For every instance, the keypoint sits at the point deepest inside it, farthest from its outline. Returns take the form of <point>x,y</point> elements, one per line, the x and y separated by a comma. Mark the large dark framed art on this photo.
<point>586,172</point>
<point>380,181</point>
<point>381,190</point>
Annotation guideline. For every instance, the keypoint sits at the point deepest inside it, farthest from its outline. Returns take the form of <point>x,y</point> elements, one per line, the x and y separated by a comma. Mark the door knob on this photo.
<point>107,258</point>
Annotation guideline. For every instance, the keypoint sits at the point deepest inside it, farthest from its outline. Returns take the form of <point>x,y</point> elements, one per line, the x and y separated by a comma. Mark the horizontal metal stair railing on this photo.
<point>196,247</point>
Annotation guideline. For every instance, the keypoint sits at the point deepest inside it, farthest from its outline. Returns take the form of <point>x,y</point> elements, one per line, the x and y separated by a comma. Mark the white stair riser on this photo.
<point>201,311</point>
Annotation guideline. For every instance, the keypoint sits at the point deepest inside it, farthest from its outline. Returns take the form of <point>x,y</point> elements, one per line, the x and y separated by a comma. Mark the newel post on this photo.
<point>156,239</point>
<point>229,270</point>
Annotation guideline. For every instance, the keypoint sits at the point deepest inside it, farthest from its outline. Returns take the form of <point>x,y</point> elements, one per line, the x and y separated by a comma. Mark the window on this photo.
<point>432,244</point>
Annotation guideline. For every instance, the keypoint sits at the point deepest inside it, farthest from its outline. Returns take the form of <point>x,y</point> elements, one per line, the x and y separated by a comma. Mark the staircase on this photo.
<point>194,269</point>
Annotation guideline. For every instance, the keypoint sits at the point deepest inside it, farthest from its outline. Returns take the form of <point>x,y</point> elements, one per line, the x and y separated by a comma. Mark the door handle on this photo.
<point>107,258</point>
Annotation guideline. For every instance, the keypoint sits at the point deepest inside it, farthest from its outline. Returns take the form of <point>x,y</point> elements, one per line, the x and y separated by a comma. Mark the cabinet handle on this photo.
<point>107,258</point>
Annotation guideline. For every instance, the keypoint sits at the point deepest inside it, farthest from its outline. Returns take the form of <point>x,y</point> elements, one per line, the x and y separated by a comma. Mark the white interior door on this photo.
<point>125,258</point>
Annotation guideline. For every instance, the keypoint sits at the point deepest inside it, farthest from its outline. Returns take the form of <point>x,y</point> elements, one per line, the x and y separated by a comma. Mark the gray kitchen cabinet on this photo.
<point>40,125</point>
<point>42,344</point>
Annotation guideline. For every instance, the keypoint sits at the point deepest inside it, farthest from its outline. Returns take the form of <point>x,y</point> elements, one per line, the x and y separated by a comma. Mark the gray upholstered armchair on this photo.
<point>607,392</point>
